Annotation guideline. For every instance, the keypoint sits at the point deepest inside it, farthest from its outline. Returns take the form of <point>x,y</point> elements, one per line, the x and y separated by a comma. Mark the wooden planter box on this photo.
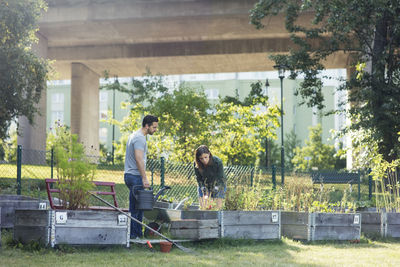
<point>168,215</point>
<point>73,227</point>
<point>391,224</point>
<point>321,226</point>
<point>195,229</point>
<point>372,224</point>
<point>10,203</point>
<point>250,224</point>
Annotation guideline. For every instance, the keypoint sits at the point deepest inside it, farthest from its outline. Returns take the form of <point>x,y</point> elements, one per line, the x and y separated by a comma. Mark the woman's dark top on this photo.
<point>212,175</point>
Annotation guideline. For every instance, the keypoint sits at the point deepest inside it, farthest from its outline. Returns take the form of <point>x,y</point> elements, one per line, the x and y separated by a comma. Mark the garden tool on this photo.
<point>150,246</point>
<point>139,222</point>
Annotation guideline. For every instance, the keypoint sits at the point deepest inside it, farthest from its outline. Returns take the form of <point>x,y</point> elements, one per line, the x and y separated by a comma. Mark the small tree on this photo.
<point>74,171</point>
<point>314,153</point>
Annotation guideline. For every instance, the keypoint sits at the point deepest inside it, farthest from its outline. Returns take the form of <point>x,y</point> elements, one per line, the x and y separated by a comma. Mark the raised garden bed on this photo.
<point>195,229</point>
<point>250,224</point>
<point>10,203</point>
<point>73,227</point>
<point>321,226</point>
<point>372,224</point>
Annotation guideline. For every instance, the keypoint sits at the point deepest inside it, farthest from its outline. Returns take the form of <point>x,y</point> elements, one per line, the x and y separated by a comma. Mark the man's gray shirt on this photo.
<point>136,141</point>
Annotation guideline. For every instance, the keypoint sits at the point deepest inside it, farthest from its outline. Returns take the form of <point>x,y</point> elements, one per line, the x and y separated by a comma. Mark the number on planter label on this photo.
<point>274,217</point>
<point>122,219</point>
<point>356,219</point>
<point>61,217</point>
<point>42,206</point>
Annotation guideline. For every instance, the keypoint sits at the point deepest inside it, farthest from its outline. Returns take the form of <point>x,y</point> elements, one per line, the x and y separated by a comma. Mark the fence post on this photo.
<point>19,163</point>
<point>273,176</point>
<point>252,176</point>
<point>52,164</point>
<point>359,185</point>
<point>369,184</point>
<point>162,171</point>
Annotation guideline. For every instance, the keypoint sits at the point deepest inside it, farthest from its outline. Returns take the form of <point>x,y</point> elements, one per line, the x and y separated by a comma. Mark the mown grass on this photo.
<point>222,252</point>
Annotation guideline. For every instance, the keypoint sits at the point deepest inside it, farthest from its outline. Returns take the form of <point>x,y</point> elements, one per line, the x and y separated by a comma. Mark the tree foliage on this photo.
<point>23,75</point>
<point>187,120</point>
<point>314,153</point>
<point>367,31</point>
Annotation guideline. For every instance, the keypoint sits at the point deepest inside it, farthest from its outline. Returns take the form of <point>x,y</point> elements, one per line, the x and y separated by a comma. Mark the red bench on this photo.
<point>98,184</point>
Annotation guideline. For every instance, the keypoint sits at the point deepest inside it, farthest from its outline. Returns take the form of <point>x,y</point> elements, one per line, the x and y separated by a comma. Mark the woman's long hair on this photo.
<point>200,151</point>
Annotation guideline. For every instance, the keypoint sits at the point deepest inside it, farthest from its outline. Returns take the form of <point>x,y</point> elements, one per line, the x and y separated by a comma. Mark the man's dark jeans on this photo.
<point>131,181</point>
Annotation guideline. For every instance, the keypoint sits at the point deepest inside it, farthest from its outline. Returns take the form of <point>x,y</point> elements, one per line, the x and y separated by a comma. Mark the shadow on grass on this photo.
<point>364,242</point>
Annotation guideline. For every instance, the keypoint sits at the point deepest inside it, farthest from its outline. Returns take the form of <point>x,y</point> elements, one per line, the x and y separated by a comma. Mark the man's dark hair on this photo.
<point>148,120</point>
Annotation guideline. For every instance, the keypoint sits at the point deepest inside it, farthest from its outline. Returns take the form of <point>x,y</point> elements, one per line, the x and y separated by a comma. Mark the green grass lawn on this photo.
<point>216,253</point>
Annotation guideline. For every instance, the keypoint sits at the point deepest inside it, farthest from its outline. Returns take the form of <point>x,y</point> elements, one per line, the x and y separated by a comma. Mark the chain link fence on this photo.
<point>26,176</point>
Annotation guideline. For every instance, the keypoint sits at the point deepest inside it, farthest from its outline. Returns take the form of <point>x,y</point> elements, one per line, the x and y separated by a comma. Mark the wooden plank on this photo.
<point>25,234</point>
<point>194,224</point>
<point>252,231</point>
<point>34,218</point>
<point>332,219</point>
<point>373,230</point>
<point>392,218</point>
<point>371,218</point>
<point>10,203</point>
<point>247,217</point>
<point>195,234</point>
<point>290,217</point>
<point>335,233</point>
<point>199,214</point>
<point>393,231</point>
<point>90,236</point>
<point>295,231</point>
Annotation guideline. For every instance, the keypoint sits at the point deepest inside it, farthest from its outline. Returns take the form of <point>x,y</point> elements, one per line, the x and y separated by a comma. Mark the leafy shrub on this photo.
<point>74,171</point>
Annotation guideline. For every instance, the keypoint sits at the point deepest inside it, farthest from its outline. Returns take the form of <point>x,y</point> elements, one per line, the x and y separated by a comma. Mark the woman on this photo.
<point>210,176</point>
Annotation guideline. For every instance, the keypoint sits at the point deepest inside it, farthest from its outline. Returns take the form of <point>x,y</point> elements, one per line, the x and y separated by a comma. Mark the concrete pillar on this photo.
<point>33,137</point>
<point>85,106</point>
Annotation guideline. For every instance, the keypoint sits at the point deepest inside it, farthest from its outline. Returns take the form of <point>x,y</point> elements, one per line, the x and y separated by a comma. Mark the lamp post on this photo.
<point>281,72</point>
<point>266,138</point>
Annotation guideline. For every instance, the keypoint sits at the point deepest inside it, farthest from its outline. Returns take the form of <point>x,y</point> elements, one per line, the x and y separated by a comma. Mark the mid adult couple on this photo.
<point>208,169</point>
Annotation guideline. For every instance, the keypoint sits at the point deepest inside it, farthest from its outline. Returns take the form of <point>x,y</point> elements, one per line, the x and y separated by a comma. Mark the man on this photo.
<point>135,168</point>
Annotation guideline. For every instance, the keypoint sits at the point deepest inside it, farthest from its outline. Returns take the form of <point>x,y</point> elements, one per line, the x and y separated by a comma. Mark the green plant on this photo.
<point>74,171</point>
<point>243,198</point>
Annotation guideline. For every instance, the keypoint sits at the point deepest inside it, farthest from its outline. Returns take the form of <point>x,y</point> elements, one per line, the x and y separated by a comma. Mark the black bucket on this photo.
<point>144,199</point>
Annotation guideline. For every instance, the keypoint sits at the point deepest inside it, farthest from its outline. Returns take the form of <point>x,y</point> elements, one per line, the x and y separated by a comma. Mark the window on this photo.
<point>103,97</point>
<point>103,135</point>
<point>57,116</point>
<point>57,107</point>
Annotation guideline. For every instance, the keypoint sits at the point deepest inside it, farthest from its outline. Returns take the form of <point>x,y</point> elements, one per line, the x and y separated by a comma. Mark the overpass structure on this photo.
<point>124,37</point>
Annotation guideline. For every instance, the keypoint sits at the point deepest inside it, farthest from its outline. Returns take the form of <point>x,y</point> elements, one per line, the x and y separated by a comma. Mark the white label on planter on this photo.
<point>42,206</point>
<point>122,219</point>
<point>61,217</point>
<point>274,217</point>
<point>357,219</point>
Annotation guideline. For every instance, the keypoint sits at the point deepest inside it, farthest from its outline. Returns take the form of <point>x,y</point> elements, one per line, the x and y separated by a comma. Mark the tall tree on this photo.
<point>23,75</point>
<point>369,31</point>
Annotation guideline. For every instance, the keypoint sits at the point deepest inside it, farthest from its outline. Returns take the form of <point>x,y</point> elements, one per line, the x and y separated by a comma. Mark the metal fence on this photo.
<point>26,176</point>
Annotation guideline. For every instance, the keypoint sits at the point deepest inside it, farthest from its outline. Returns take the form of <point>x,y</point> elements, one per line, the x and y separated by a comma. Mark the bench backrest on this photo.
<point>335,178</point>
<point>98,184</point>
